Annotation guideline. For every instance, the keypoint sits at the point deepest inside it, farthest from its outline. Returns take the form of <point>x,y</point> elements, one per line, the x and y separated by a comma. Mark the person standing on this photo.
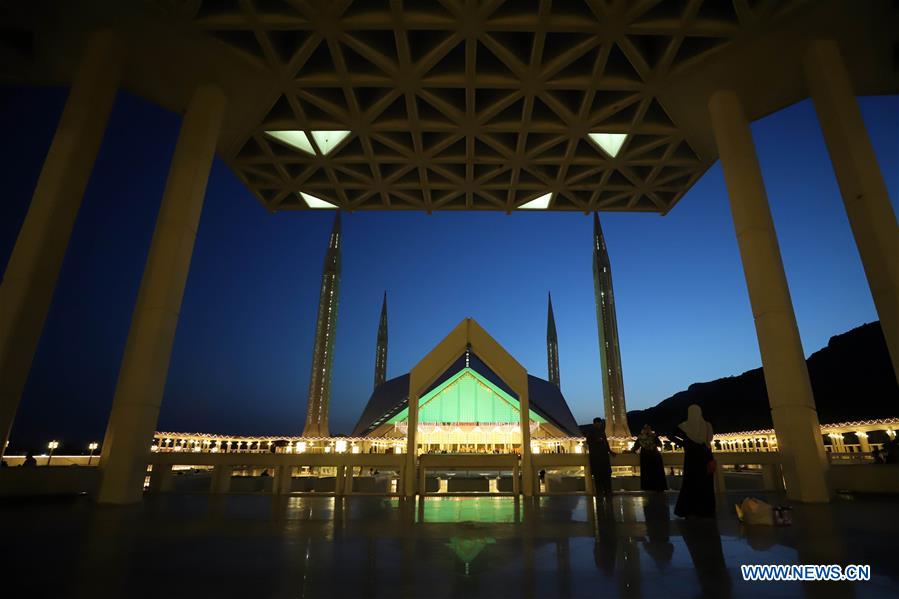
<point>697,494</point>
<point>599,453</point>
<point>652,471</point>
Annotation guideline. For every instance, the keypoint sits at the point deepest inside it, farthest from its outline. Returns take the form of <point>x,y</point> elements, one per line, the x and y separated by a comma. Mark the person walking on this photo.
<point>652,471</point>
<point>600,453</point>
<point>697,494</point>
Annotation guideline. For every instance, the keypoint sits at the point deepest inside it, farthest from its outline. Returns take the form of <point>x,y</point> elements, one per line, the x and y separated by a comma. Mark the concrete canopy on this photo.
<point>462,105</point>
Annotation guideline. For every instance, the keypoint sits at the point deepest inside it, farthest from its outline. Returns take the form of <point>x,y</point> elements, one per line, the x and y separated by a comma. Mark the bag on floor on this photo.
<point>755,511</point>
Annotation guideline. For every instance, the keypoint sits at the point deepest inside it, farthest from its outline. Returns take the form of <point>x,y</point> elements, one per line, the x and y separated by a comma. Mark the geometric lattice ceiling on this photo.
<point>459,104</point>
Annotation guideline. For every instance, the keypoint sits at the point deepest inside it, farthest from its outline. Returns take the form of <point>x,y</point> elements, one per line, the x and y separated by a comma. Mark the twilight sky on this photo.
<point>242,351</point>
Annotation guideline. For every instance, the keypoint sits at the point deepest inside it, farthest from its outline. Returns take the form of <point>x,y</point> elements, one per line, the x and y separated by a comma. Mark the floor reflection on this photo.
<point>564,546</point>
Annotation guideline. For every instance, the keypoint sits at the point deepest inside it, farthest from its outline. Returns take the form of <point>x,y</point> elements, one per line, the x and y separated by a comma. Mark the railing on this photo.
<point>223,466</point>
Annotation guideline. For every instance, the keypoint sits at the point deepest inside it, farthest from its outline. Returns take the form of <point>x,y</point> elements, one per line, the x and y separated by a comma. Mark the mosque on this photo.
<point>467,407</point>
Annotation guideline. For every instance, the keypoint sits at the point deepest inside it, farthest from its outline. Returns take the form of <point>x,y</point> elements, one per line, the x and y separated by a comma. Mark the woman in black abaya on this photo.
<point>697,494</point>
<point>652,471</point>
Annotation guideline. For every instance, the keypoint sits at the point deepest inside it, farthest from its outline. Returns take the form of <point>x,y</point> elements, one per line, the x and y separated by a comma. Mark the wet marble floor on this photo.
<point>256,546</point>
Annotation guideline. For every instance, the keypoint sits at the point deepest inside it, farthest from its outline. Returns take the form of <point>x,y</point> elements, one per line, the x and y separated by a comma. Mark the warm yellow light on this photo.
<point>356,449</point>
<point>53,444</point>
<point>328,449</point>
<point>578,448</point>
<point>92,446</point>
<point>340,446</point>
<point>301,446</point>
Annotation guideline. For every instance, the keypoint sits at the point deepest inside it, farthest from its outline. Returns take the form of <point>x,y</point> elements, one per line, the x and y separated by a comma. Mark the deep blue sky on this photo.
<point>242,352</point>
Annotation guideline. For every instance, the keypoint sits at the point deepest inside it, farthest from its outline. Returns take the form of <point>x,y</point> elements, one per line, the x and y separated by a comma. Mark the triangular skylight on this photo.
<point>297,139</point>
<point>541,203</point>
<point>328,140</point>
<point>314,202</point>
<point>610,143</point>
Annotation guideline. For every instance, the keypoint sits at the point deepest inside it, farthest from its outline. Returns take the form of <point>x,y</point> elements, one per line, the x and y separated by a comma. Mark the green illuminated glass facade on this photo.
<point>467,397</point>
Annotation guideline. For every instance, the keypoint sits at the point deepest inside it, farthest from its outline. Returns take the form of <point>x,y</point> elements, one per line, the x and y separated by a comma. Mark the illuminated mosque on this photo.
<point>468,407</point>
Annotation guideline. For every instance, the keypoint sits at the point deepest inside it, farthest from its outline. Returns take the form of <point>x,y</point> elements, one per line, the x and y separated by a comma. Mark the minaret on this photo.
<point>609,351</point>
<point>381,348</point>
<point>552,346</point>
<point>325,331</point>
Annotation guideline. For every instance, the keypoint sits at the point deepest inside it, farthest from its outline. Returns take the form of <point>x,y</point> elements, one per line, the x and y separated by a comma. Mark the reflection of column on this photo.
<point>30,278</point>
<point>144,369</point>
<point>783,362</point>
<point>821,543</point>
<point>861,183</point>
<point>563,567</point>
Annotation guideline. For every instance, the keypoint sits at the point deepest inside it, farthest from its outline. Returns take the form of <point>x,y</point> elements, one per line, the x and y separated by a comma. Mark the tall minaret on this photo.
<point>552,346</point>
<point>609,351</point>
<point>325,331</point>
<point>381,348</point>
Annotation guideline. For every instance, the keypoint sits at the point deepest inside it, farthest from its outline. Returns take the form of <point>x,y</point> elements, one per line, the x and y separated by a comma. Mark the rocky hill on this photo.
<point>852,379</point>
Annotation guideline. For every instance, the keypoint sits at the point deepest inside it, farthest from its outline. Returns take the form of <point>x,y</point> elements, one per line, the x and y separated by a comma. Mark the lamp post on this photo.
<point>52,445</point>
<point>93,448</point>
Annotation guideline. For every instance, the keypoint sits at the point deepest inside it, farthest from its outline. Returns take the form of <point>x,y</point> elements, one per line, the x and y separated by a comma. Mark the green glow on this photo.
<point>314,202</point>
<point>468,509</point>
<point>610,143</point>
<point>467,397</point>
<point>541,203</point>
<point>468,549</point>
<point>328,140</point>
<point>297,139</point>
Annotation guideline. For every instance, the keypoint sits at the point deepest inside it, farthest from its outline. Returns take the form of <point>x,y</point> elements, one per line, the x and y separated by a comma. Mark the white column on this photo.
<point>411,441</point>
<point>33,267</point>
<point>783,361</point>
<point>144,368</point>
<point>861,182</point>
<point>527,471</point>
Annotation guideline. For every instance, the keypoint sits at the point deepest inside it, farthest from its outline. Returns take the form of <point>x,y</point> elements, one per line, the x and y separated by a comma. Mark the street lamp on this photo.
<point>93,448</point>
<point>51,446</point>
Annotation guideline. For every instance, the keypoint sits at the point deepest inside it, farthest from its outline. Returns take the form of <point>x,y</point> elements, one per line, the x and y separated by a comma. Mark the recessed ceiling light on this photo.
<point>541,203</point>
<point>610,143</point>
<point>328,140</point>
<point>297,139</point>
<point>314,202</point>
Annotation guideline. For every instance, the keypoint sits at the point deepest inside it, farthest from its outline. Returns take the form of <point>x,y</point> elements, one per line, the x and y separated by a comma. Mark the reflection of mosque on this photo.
<point>557,546</point>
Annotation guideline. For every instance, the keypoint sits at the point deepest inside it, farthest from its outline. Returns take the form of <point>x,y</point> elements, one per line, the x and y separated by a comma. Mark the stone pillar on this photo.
<point>33,267</point>
<point>161,478</point>
<point>145,364</point>
<point>861,183</point>
<point>863,444</point>
<point>221,479</point>
<point>411,481</point>
<point>524,412</point>
<point>783,362</point>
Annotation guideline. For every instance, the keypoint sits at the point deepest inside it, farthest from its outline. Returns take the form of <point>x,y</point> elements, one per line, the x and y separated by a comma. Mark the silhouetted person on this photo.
<point>878,457</point>
<point>4,464</point>
<point>29,462</point>
<point>599,454</point>
<point>697,493</point>
<point>892,451</point>
<point>652,471</point>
